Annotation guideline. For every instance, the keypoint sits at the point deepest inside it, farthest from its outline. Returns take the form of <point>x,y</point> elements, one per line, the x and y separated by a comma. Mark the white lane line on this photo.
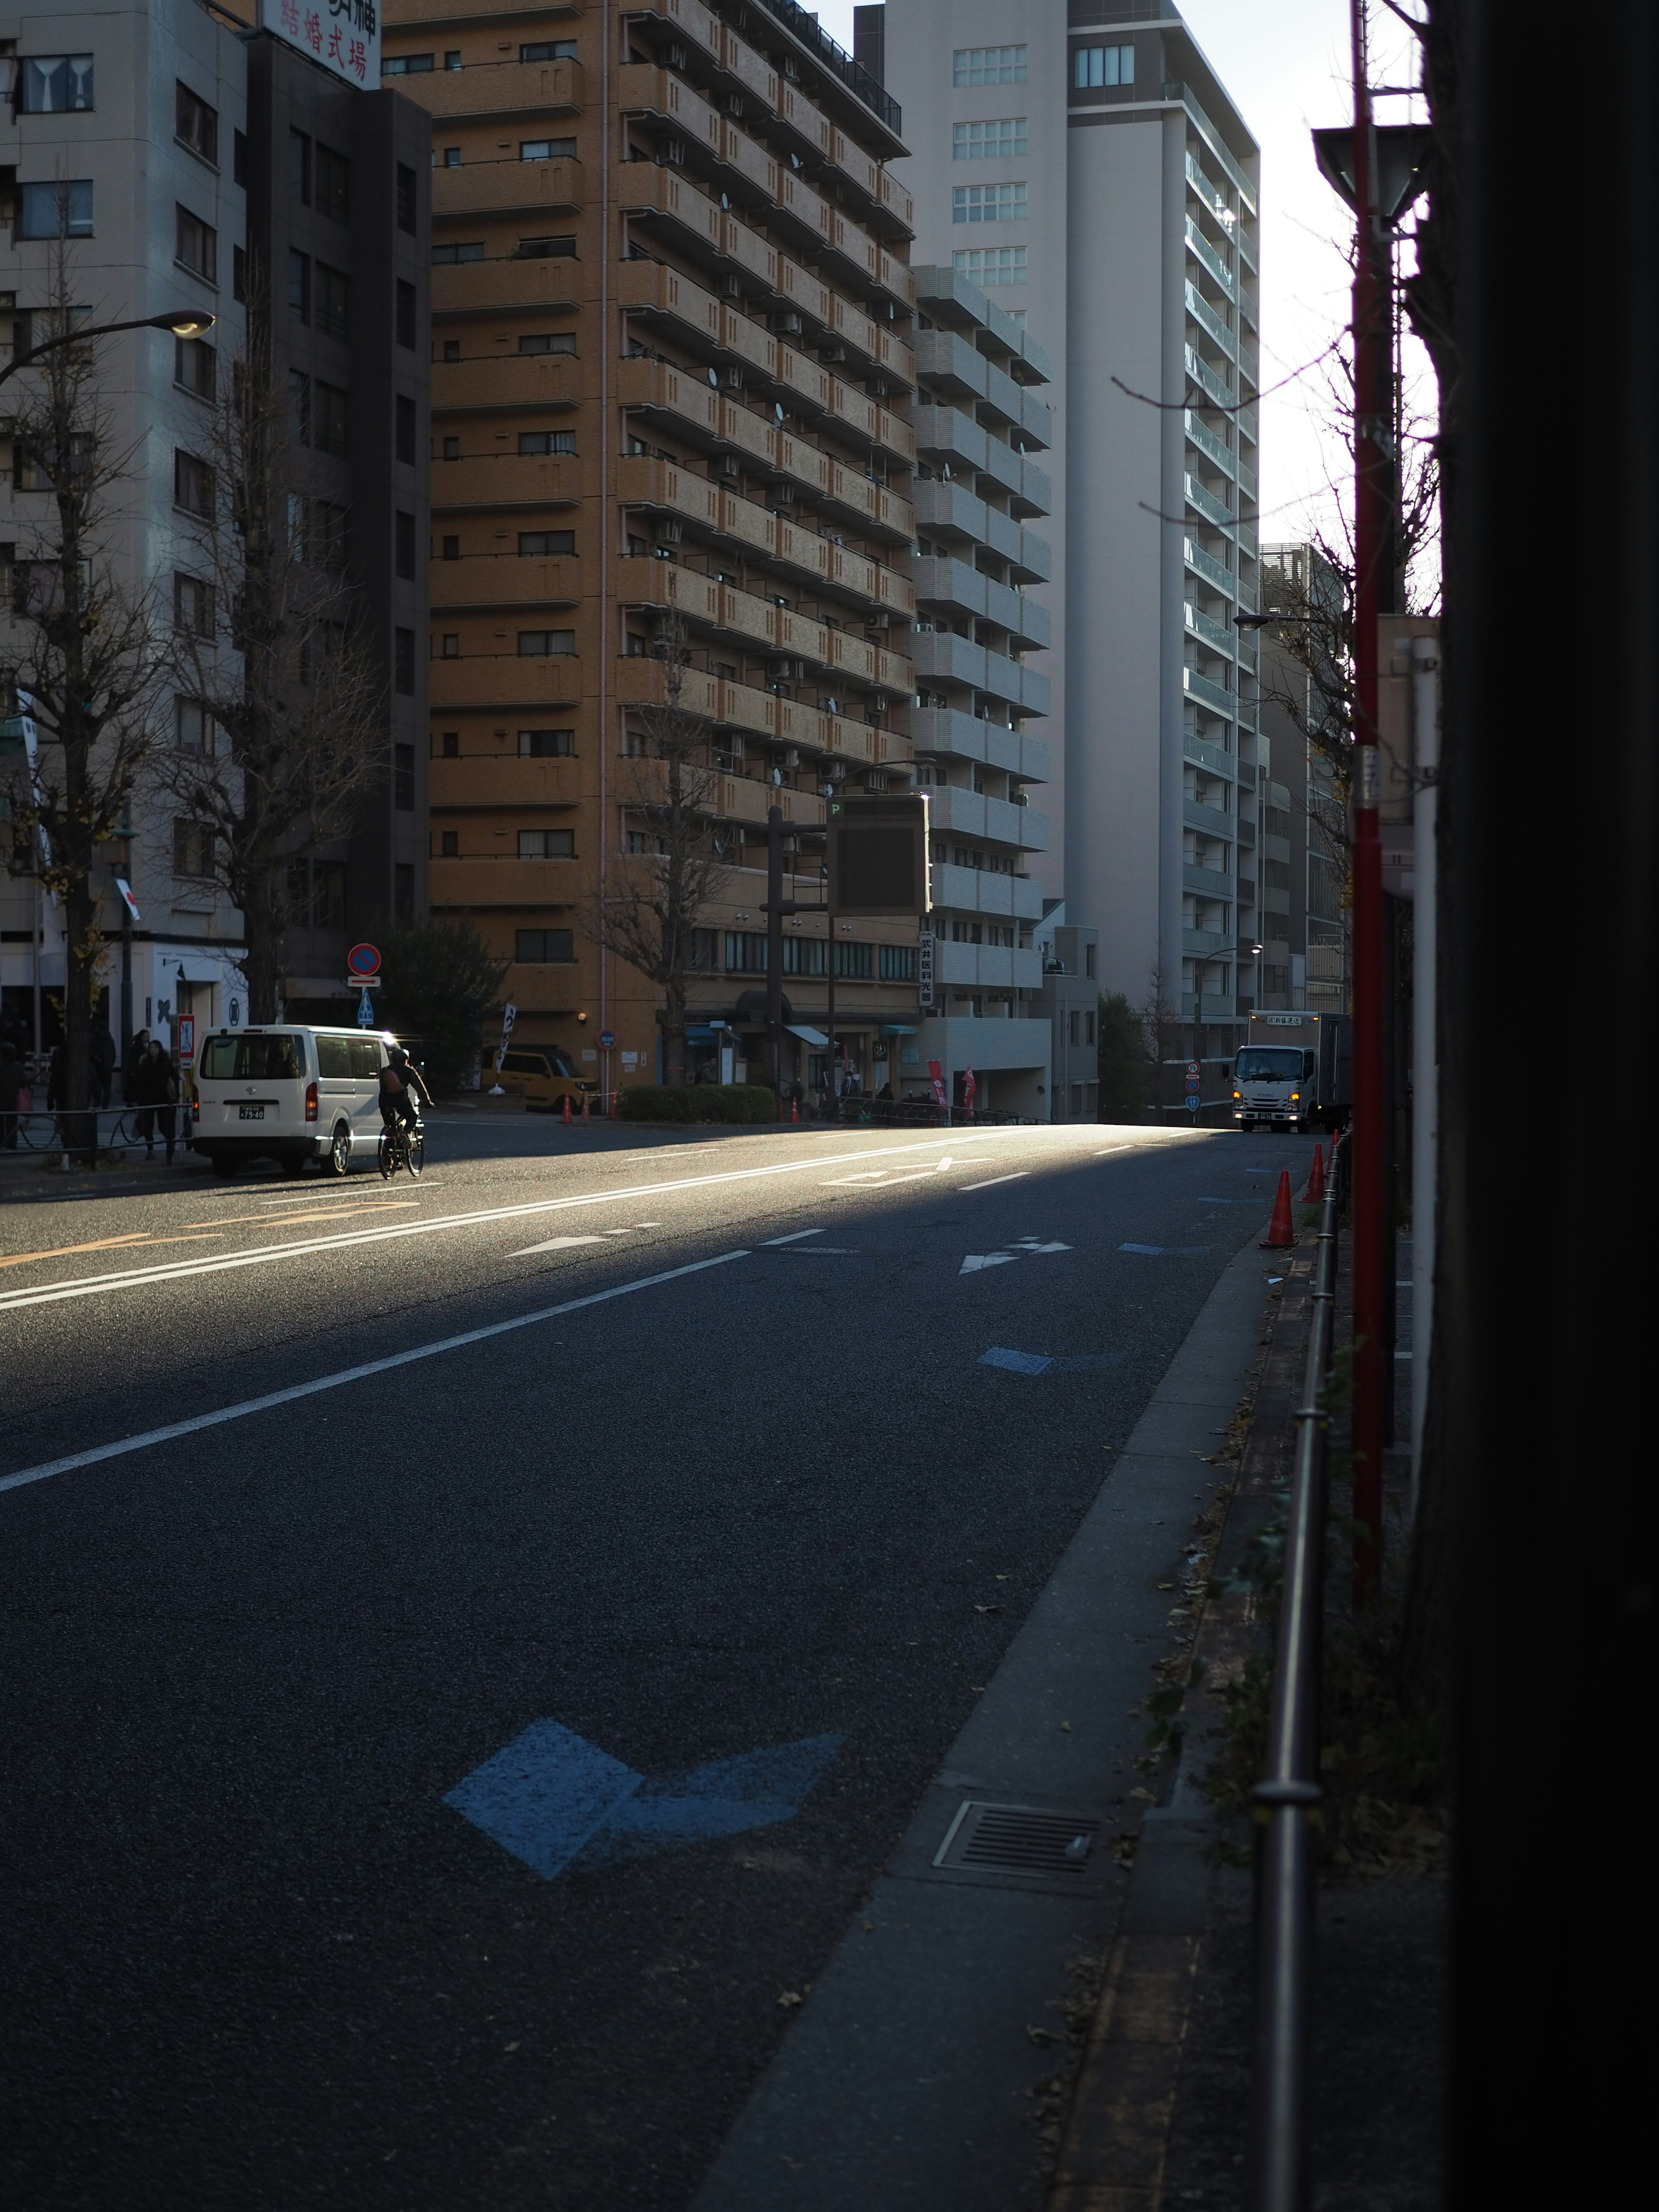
<point>124,1279</point>
<point>994,1181</point>
<point>794,1236</point>
<point>141,1442</point>
<point>554,1244</point>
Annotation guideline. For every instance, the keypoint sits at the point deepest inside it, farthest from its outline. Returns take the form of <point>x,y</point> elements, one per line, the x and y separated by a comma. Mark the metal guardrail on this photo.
<point>118,1128</point>
<point>1288,1795</point>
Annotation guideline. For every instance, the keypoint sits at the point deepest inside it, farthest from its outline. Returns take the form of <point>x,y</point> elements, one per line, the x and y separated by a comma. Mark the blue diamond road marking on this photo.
<point>1037,1362</point>
<point>559,1802</point>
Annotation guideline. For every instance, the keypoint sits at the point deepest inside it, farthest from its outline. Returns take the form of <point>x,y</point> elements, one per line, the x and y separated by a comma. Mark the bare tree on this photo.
<point>89,667</point>
<point>282,714</point>
<point>1161,1023</point>
<point>670,875</point>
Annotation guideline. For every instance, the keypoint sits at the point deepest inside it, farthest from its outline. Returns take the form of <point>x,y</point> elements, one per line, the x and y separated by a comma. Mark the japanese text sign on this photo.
<point>343,35</point>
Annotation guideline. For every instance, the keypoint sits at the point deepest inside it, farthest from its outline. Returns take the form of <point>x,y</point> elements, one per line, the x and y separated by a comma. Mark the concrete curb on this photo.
<point>906,2082</point>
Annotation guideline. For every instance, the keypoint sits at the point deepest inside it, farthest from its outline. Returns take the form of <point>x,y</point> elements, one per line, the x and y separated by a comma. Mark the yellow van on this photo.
<point>544,1077</point>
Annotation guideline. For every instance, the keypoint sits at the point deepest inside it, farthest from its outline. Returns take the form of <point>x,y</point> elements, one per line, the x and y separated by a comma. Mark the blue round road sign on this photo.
<point>607,1039</point>
<point>363,960</point>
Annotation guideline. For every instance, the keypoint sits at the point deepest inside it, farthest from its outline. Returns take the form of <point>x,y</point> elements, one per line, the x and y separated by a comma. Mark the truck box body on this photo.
<point>1314,1088</point>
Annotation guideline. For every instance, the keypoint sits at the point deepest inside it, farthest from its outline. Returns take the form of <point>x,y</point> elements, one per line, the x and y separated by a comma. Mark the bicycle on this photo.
<point>402,1146</point>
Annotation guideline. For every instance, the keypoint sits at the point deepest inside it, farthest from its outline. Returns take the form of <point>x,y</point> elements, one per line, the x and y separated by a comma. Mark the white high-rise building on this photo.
<point>1083,165</point>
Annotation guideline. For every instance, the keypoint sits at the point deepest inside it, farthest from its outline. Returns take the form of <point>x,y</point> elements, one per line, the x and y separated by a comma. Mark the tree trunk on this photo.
<point>674,1035</point>
<point>263,938</point>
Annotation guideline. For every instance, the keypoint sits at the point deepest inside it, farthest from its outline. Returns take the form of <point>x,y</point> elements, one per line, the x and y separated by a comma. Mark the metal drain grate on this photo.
<point>1020,1839</point>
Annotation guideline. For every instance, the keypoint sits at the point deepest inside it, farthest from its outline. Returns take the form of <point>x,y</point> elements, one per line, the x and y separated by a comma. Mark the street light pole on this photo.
<point>1373,480</point>
<point>186,323</point>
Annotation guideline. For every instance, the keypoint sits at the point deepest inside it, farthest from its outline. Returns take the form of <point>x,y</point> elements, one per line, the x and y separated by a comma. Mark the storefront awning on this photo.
<point>897,1029</point>
<point>815,1037</point>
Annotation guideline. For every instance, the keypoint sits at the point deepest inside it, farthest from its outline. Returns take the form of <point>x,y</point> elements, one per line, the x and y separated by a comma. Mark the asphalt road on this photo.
<point>747,1482</point>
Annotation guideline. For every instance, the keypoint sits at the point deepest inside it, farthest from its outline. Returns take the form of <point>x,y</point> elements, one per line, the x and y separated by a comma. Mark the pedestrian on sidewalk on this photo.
<point>11,1085</point>
<point>155,1091</point>
<point>136,1053</point>
<point>103,1065</point>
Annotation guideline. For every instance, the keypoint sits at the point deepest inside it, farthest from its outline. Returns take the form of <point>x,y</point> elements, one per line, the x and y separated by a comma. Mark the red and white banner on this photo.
<point>969,1087</point>
<point>937,1074</point>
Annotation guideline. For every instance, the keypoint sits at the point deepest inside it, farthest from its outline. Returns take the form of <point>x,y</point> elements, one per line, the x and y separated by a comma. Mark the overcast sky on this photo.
<point>1286,63</point>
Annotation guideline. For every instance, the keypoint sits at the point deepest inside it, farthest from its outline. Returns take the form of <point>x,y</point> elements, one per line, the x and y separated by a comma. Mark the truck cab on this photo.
<point>1273,1084</point>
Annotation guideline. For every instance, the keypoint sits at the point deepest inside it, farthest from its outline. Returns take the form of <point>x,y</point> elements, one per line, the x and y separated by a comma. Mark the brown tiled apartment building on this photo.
<point>672,366</point>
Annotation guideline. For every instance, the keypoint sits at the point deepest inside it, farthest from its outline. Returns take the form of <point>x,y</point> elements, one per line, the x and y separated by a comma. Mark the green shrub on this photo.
<point>697,1101</point>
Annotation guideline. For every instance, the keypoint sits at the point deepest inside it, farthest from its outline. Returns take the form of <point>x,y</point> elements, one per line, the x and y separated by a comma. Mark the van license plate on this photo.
<point>250,1113</point>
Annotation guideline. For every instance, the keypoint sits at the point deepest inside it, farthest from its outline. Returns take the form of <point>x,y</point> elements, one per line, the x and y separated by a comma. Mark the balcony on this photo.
<point>1207,883</point>
<point>941,581</point>
<point>1213,510</point>
<point>1216,448</point>
<point>1199,624</point>
<point>947,730</point>
<point>991,967</point>
<point>505,679</point>
<point>1207,756</point>
<point>984,892</point>
<point>503,579</point>
<point>1210,381</point>
<point>949,510</point>
<point>479,188</point>
<point>952,811</point>
<point>495,287</point>
<point>498,89</point>
<point>505,883</point>
<point>505,784</point>
<point>950,436</point>
<point>746,708</point>
<point>1207,319</point>
<point>1210,819</point>
<point>948,659</point>
<point>1212,257</point>
<point>505,382</point>
<point>1206,943</point>
<point>953,369</point>
<point>1214,571</point>
<point>1200,688</point>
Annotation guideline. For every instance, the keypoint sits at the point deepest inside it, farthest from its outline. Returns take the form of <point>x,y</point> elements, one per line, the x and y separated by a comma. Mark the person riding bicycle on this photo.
<point>401,1090</point>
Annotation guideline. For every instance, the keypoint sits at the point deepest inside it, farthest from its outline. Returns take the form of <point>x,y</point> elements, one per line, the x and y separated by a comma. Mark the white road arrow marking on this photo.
<point>974,1260</point>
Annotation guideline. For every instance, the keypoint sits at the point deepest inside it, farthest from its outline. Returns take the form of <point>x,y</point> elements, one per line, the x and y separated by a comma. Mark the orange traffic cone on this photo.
<point>567,1109</point>
<point>1315,1194</point>
<point>1280,1235</point>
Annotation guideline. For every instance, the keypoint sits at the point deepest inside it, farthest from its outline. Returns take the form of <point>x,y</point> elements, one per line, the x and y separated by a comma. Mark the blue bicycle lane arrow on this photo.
<point>559,1803</point>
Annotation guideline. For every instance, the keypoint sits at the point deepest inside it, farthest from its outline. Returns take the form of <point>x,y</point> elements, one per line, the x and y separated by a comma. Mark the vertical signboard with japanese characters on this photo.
<point>343,35</point>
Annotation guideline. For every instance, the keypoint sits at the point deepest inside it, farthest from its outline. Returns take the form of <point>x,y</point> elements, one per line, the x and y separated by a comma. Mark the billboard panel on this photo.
<point>343,35</point>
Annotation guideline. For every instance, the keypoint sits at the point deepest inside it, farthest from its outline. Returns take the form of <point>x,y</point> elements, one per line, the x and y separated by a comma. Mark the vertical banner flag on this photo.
<point>937,1074</point>
<point>969,1087</point>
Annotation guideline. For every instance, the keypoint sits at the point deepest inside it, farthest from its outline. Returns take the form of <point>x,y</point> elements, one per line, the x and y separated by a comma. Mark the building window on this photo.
<point>452,157</point>
<point>532,542</point>
<point>406,65</point>
<point>452,58</point>
<point>402,662</point>
<point>452,449</point>
<point>991,264</point>
<point>299,406</point>
<point>405,429</point>
<point>403,534</point>
<point>192,847</point>
<point>547,441</point>
<point>549,342</point>
<point>197,124</point>
<point>451,549</point>
<point>1088,1029</point>
<point>333,302</point>
<point>972,66</point>
<point>193,606</point>
<point>193,727</point>
<point>449,845</point>
<point>536,643</point>
<point>61,209</point>
<point>407,203</point>
<point>536,947</point>
<point>192,485</point>
<point>333,185</point>
<point>805,955</point>
<point>403,893</point>
<point>196,245</point>
<point>547,744</point>
<point>1089,953</point>
<point>705,953</point>
<point>547,844</point>
<point>898,963</point>
<point>452,349</point>
<point>299,167</point>
<point>452,745</point>
<point>195,367</point>
<point>746,952</point>
<point>547,249</point>
<point>328,419</point>
<point>55,84</point>
<point>988,203</point>
<point>549,49</point>
<point>987,142</point>
<point>403,778</point>
<point>239,157</point>
<point>405,314</point>
<point>299,285</point>
<point>547,149</point>
<point>239,274</point>
<point>1097,65</point>
<point>449,645</point>
<point>447,256</point>
<point>856,962</point>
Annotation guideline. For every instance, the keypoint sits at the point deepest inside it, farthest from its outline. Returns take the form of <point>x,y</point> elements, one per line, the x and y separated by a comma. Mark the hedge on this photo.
<point>698,1102</point>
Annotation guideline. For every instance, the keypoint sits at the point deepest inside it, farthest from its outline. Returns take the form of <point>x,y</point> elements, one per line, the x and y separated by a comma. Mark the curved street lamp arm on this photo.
<point>181,324</point>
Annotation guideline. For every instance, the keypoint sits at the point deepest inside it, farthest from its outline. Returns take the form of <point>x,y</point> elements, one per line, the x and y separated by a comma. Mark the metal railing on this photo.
<point>1287,1796</point>
<point>117,1128</point>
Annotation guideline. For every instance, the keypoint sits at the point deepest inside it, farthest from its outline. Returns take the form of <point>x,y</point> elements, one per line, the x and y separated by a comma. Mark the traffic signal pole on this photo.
<point>1373,482</point>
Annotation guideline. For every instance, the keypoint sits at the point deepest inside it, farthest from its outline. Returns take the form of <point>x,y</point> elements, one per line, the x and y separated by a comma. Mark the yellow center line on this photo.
<point>101,1244</point>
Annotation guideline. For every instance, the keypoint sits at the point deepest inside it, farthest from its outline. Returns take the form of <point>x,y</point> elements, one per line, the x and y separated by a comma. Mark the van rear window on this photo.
<point>257,1059</point>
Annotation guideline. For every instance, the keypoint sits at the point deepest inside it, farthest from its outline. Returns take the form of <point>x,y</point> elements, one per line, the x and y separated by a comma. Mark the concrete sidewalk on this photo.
<point>909,2082</point>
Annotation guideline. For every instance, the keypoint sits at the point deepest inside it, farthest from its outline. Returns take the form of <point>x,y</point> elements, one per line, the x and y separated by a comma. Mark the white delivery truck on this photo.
<point>1296,1072</point>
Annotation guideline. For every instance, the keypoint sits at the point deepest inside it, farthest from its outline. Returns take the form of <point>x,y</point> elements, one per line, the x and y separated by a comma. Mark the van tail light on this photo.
<point>196,1106</point>
<point>311,1102</point>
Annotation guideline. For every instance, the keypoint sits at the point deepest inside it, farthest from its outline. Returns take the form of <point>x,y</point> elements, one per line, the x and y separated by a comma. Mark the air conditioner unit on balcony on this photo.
<point>668,530</point>
<point>832,353</point>
<point>791,757</point>
<point>785,326</point>
<point>731,379</point>
<point>672,151</point>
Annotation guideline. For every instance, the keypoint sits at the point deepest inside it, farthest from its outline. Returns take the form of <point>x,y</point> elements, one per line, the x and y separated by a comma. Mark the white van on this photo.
<point>289,1095</point>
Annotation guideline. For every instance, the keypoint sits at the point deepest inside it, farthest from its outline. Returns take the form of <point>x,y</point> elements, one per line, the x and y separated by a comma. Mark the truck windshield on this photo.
<point>1267,1064</point>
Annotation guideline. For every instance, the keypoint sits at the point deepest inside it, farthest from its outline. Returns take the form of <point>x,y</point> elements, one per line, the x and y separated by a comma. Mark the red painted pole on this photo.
<point>1372,478</point>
